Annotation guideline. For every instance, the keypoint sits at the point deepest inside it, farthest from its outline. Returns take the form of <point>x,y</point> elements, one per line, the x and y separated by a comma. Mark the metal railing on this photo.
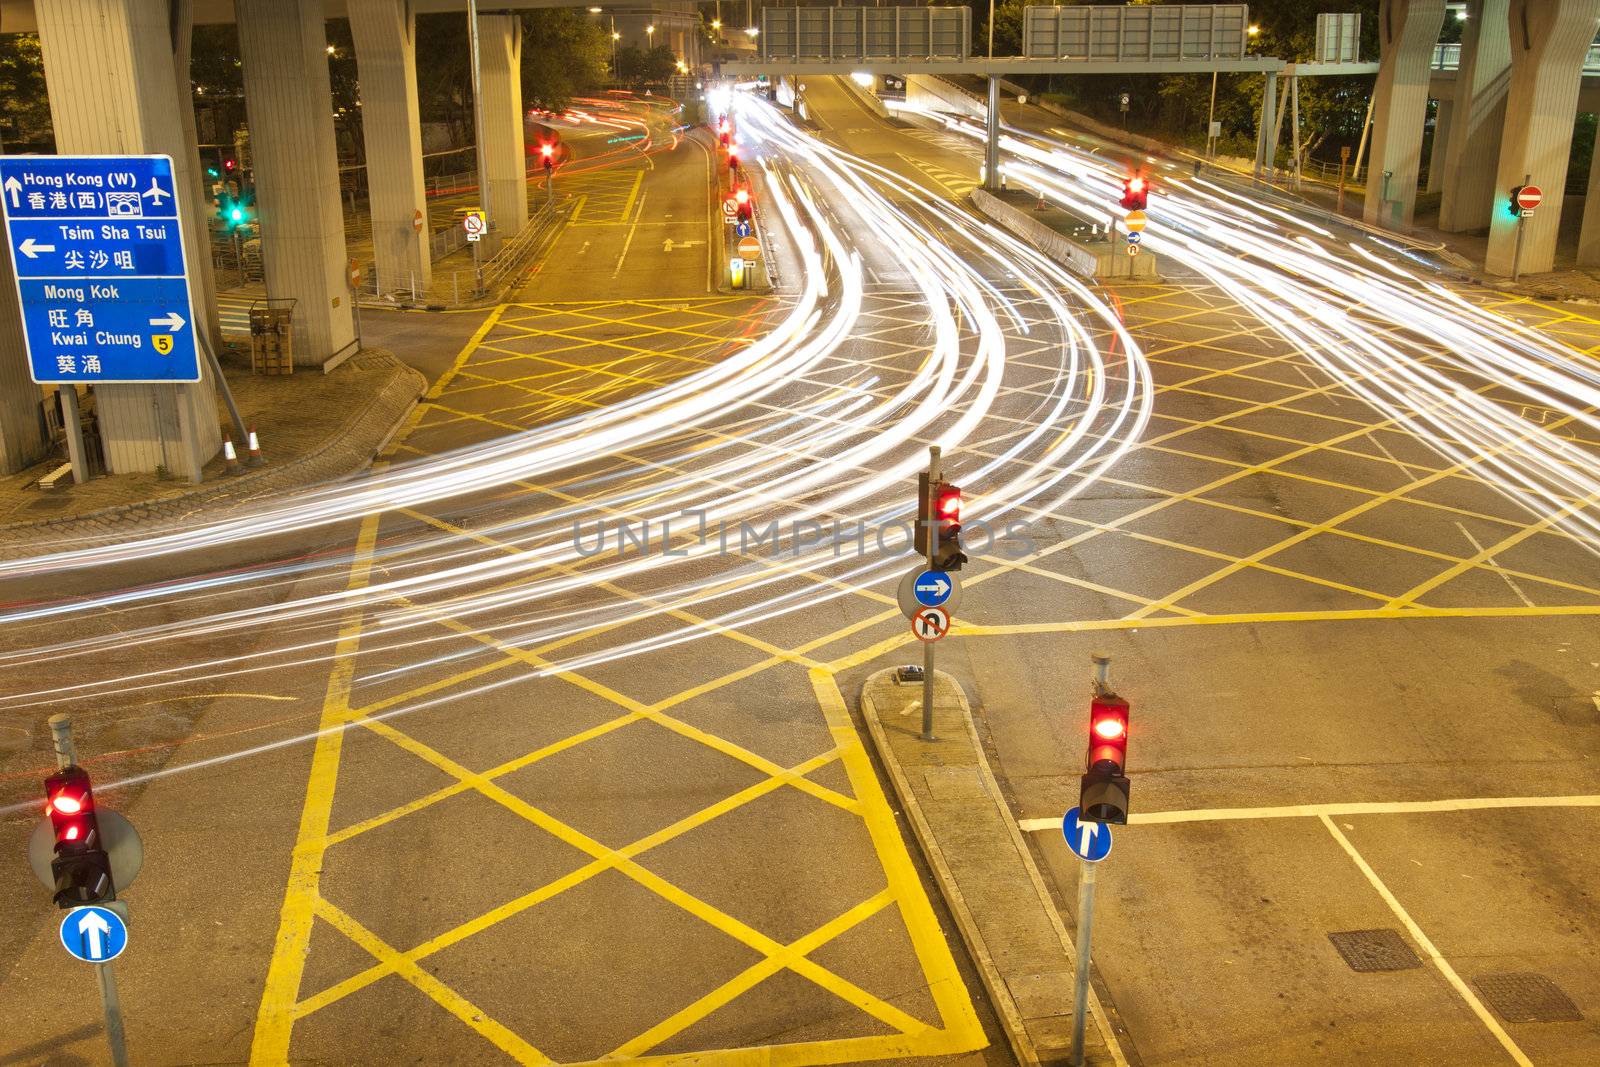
<point>1448,57</point>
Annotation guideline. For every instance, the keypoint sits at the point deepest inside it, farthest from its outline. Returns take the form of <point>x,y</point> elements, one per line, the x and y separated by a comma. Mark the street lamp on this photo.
<point>1254,30</point>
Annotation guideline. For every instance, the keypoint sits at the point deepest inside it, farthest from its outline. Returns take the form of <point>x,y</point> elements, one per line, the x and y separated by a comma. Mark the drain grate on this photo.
<point>1374,950</point>
<point>1525,997</point>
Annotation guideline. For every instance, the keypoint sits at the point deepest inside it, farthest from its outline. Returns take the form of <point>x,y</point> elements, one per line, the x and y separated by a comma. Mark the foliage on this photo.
<point>24,108</point>
<point>564,53</point>
<point>635,66</point>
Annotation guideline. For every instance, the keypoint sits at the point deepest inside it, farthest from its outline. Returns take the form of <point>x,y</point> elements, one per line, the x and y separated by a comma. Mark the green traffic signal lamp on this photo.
<point>235,215</point>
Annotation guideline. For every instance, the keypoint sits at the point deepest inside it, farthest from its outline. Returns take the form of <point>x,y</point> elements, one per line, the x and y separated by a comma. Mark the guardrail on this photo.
<point>1448,57</point>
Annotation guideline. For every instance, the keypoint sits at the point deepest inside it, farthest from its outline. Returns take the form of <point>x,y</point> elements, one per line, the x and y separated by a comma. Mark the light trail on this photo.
<point>804,446</point>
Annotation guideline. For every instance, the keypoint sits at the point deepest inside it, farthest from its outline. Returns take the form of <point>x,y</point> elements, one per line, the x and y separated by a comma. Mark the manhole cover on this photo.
<point>1374,950</point>
<point>1524,997</point>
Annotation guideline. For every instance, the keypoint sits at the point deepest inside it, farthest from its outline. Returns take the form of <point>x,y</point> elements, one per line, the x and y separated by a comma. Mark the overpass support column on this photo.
<point>111,70</point>
<point>504,156</point>
<point>1407,32</point>
<point>1549,40</point>
<point>283,44</point>
<point>386,55</point>
<point>22,439</point>
<point>1443,119</point>
<point>991,141</point>
<point>1479,114</point>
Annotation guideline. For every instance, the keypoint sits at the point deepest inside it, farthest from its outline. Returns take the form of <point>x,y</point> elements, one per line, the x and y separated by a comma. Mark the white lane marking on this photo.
<point>1449,972</point>
<point>632,229</point>
<point>1295,811</point>
<point>1490,560</point>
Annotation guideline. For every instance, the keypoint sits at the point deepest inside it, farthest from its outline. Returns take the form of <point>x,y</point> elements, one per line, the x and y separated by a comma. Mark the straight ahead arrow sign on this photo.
<point>32,248</point>
<point>14,187</point>
<point>1087,832</point>
<point>171,320</point>
<point>93,927</point>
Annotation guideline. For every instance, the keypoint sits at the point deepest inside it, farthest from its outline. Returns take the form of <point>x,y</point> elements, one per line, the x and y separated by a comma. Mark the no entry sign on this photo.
<point>1529,197</point>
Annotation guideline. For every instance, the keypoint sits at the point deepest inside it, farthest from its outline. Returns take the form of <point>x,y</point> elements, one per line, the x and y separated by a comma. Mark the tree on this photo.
<point>24,107</point>
<point>564,53</point>
<point>638,67</point>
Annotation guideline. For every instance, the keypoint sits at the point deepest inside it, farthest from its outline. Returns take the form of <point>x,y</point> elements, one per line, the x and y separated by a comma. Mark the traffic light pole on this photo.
<point>1086,883</point>
<point>935,475</point>
<point>67,756</point>
<point>1516,252</point>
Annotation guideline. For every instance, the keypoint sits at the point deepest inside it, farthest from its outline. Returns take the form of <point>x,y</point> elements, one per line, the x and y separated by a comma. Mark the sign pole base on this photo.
<point>113,1012</point>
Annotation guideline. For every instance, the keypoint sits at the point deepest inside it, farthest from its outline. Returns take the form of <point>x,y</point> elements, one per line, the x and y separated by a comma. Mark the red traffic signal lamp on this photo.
<point>1135,192</point>
<point>81,867</point>
<point>744,206</point>
<point>1103,789</point>
<point>939,510</point>
<point>724,131</point>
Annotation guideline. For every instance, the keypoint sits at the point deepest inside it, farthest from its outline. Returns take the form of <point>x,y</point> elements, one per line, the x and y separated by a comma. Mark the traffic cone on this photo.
<point>256,458</point>
<point>1041,205</point>
<point>230,455</point>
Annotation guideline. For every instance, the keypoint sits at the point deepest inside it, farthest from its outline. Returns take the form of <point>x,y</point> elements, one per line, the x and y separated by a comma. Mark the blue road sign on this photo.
<point>94,935</point>
<point>98,249</point>
<point>743,228</point>
<point>1090,841</point>
<point>932,588</point>
<point>1135,238</point>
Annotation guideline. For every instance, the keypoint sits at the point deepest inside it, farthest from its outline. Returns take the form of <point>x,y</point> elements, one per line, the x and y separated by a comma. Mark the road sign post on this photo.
<point>95,934</point>
<point>101,272</point>
<point>1524,198</point>
<point>935,475</point>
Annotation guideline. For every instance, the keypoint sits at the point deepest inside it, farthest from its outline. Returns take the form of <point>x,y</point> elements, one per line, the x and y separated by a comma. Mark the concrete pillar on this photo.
<point>386,55</point>
<point>1589,233</point>
<point>203,275</point>
<point>1443,116</point>
<point>112,75</point>
<point>991,139</point>
<point>504,154</point>
<point>1407,32</point>
<point>1479,115</point>
<point>22,440</point>
<point>283,44</point>
<point>1549,39</point>
<point>1266,133</point>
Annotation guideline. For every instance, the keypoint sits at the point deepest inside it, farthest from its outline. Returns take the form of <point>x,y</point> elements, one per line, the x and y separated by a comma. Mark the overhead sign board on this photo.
<point>1135,32</point>
<point>1338,38</point>
<point>865,33</point>
<point>101,274</point>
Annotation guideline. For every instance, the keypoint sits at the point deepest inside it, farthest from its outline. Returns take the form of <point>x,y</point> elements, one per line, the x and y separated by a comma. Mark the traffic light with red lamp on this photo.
<point>733,157</point>
<point>939,510</point>
<point>1103,789</point>
<point>547,155</point>
<point>81,867</point>
<point>1135,192</point>
<point>744,204</point>
<point>724,131</point>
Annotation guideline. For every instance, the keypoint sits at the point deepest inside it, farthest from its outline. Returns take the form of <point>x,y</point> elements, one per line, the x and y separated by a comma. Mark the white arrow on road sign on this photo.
<point>937,586</point>
<point>92,927</point>
<point>171,320</point>
<point>1087,832</point>
<point>669,244</point>
<point>1089,841</point>
<point>32,248</point>
<point>14,187</point>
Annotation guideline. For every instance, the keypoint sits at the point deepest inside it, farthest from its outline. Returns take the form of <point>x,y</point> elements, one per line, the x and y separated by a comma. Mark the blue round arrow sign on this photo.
<point>1089,841</point>
<point>94,935</point>
<point>932,588</point>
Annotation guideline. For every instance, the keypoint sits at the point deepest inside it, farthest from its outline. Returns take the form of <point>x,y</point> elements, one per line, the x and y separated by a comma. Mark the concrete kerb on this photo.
<point>1105,262</point>
<point>984,869</point>
<point>402,394</point>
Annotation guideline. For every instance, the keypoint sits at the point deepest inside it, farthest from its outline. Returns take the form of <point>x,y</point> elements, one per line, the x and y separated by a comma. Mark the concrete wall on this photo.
<point>1109,262</point>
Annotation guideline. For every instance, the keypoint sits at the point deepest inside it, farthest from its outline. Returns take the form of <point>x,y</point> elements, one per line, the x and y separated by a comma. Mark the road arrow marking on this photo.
<point>32,248</point>
<point>171,320</point>
<point>14,187</point>
<point>93,927</point>
<point>669,244</point>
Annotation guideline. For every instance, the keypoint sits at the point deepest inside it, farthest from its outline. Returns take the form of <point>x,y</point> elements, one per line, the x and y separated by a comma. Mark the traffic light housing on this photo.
<point>1103,789</point>
<point>1135,192</point>
<point>1513,205</point>
<point>547,153</point>
<point>81,867</point>
<point>939,509</point>
<point>744,205</point>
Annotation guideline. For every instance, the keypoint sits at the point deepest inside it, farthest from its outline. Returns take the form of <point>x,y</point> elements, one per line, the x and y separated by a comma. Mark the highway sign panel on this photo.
<point>933,587</point>
<point>1529,197</point>
<point>1089,841</point>
<point>101,273</point>
<point>750,248</point>
<point>1135,220</point>
<point>94,935</point>
<point>930,624</point>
